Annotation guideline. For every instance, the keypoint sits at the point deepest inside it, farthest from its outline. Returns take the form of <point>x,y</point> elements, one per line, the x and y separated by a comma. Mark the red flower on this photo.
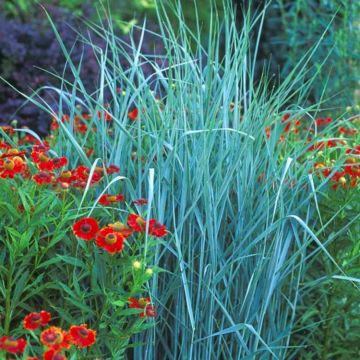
<point>132,115</point>
<point>8,129</point>
<point>323,121</point>
<point>157,229</point>
<point>110,240</point>
<point>112,169</point>
<point>355,151</point>
<point>66,177</point>
<point>34,320</point>
<point>143,303</point>
<point>59,162</point>
<point>12,345</point>
<point>287,127</point>
<point>285,117</point>
<point>10,167</point>
<point>106,115</point>
<point>136,222</point>
<point>55,338</point>
<point>4,145</point>
<point>121,228</point>
<point>81,128</point>
<point>41,148</point>
<point>82,173</point>
<point>43,162</point>
<point>107,199</point>
<point>81,336</point>
<point>53,354</point>
<point>86,228</point>
<point>43,177</point>
<point>140,201</point>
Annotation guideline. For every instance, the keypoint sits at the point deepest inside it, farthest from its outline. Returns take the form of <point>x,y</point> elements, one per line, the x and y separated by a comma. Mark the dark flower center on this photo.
<point>86,228</point>
<point>36,318</point>
<point>53,338</point>
<point>83,333</point>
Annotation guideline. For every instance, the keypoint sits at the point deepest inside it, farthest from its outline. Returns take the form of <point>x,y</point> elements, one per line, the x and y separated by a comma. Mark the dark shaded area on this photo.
<point>28,46</point>
<point>293,27</point>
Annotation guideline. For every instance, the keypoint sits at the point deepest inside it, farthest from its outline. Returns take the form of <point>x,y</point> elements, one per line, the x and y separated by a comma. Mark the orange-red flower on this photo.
<point>53,354</point>
<point>143,303</point>
<point>55,338</point>
<point>66,177</point>
<point>136,222</point>
<point>34,320</point>
<point>59,162</point>
<point>81,336</point>
<point>140,202</point>
<point>9,167</point>
<point>121,228</point>
<point>323,121</point>
<point>132,115</point>
<point>43,147</point>
<point>4,145</point>
<point>12,345</point>
<point>82,173</point>
<point>110,240</point>
<point>86,228</point>
<point>112,169</point>
<point>43,177</point>
<point>107,199</point>
<point>157,229</point>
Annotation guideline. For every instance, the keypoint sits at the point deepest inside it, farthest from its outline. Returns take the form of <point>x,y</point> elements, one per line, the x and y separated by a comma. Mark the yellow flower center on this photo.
<point>66,174</point>
<point>9,164</point>
<point>118,226</point>
<point>342,180</point>
<point>43,158</point>
<point>13,151</point>
<point>110,239</point>
<point>11,343</point>
<point>143,302</point>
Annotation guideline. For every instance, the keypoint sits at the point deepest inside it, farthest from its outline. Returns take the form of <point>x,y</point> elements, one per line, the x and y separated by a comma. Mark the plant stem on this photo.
<point>8,302</point>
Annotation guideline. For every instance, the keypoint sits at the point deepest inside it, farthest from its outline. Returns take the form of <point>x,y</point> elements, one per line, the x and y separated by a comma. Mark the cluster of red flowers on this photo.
<point>80,122</point>
<point>349,175</point>
<point>54,339</point>
<point>294,126</point>
<point>111,237</point>
<point>12,162</point>
<point>321,145</point>
<point>50,169</point>
<point>290,125</point>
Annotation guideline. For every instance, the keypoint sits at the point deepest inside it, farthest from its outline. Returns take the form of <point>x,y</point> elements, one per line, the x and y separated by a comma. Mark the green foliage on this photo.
<point>328,314</point>
<point>43,266</point>
<point>292,26</point>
